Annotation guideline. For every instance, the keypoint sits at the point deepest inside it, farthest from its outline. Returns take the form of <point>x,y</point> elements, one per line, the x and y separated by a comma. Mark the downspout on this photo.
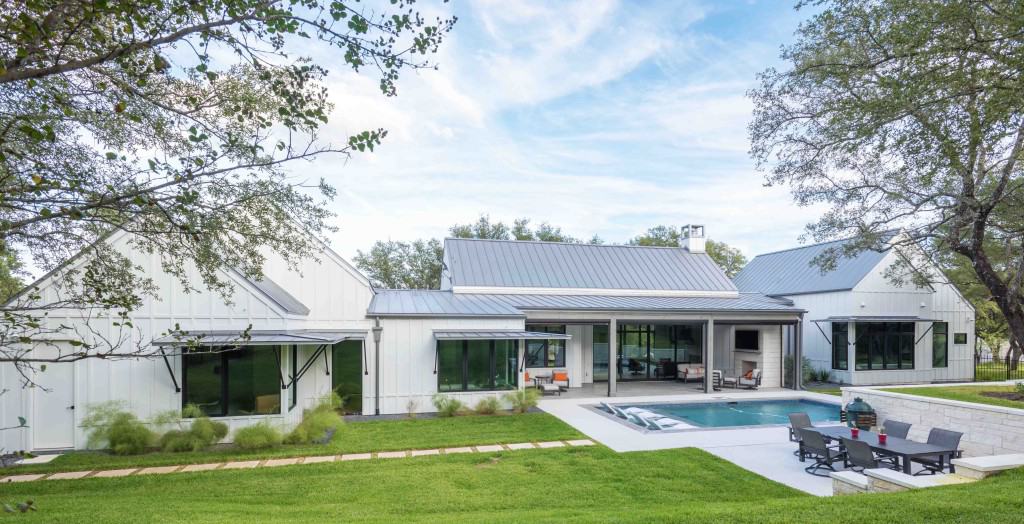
<point>376,365</point>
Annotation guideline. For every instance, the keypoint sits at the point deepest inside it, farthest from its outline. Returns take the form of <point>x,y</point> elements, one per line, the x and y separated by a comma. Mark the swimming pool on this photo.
<point>744,412</point>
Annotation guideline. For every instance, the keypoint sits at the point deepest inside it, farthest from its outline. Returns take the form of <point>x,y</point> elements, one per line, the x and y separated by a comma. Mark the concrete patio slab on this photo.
<point>424,452</point>
<point>159,470</point>
<point>200,467</point>
<point>452,451</point>
<point>357,456</point>
<point>68,475</point>
<point>244,464</point>
<point>552,444</point>
<point>489,449</point>
<point>319,460</point>
<point>582,442</point>
<point>114,473</point>
<point>392,454</point>
<point>280,462</point>
<point>40,459</point>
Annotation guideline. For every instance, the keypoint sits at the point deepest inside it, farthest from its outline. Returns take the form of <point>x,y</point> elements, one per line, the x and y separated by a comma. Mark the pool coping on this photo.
<point>596,408</point>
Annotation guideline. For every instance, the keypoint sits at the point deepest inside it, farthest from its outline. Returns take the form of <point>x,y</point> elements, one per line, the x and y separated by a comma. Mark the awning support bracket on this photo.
<point>327,363</point>
<point>322,348</point>
<point>823,333</point>
<point>930,326</point>
<point>170,371</point>
<point>277,355</point>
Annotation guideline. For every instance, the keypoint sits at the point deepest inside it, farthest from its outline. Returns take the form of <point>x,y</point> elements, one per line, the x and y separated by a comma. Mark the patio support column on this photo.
<point>521,354</point>
<point>798,355</point>
<point>613,355</point>
<point>709,355</point>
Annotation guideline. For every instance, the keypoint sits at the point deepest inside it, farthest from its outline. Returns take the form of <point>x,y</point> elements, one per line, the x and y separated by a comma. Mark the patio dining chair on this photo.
<point>896,429</point>
<point>798,421</point>
<point>936,463</point>
<point>812,444</point>
<point>859,456</point>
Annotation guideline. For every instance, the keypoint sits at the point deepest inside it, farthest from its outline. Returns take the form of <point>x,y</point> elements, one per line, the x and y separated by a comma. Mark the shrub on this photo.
<point>487,406</point>
<point>447,406</point>
<point>201,434</point>
<point>318,423</point>
<point>258,436</point>
<point>1019,388</point>
<point>522,400</point>
<point>411,407</point>
<point>111,426</point>
<point>824,375</point>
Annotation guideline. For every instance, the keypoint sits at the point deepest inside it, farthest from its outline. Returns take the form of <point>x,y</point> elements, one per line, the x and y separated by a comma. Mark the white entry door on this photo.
<point>53,408</point>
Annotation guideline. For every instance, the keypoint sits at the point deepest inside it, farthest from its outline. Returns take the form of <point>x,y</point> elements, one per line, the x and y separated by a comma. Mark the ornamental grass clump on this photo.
<point>523,400</point>
<point>201,434</point>
<point>447,406</point>
<point>318,423</point>
<point>110,425</point>
<point>487,406</point>
<point>258,436</point>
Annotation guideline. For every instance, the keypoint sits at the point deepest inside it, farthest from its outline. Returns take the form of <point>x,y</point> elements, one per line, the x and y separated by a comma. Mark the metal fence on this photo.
<point>987,368</point>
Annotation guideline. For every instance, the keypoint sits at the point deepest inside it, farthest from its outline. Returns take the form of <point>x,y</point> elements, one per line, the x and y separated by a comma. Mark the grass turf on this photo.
<point>560,485</point>
<point>353,437</point>
<point>963,393</point>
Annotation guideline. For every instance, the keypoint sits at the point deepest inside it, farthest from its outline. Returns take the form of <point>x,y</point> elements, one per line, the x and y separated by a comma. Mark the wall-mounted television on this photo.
<point>748,340</point>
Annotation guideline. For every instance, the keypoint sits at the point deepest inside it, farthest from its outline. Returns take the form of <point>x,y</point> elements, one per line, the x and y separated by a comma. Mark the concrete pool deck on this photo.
<point>763,450</point>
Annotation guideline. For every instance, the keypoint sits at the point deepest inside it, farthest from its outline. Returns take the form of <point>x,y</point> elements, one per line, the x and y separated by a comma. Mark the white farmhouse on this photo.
<point>864,328</point>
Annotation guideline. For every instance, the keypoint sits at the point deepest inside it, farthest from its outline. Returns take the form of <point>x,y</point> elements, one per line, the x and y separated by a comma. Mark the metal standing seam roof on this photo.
<point>876,318</point>
<point>441,303</point>
<point>277,294</point>
<point>533,264</point>
<point>792,272</point>
<point>495,334</point>
<point>259,338</point>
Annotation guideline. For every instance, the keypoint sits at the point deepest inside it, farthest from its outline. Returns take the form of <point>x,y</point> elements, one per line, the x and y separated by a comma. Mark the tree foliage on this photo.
<point>730,259</point>
<point>905,115</point>
<point>173,121</point>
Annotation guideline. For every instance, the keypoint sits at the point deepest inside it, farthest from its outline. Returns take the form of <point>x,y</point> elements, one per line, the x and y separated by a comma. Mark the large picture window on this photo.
<point>477,365</point>
<point>840,345</point>
<point>885,345</point>
<point>233,382</point>
<point>940,345</point>
<point>545,353</point>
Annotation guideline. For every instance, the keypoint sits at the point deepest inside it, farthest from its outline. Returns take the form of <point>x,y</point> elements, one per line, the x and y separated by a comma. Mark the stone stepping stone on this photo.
<point>23,478</point>
<point>391,454</point>
<point>242,464</point>
<point>280,462</point>
<point>200,467</point>
<point>317,460</point>
<point>357,456</point>
<point>68,475</point>
<point>489,449</point>
<point>521,445</point>
<point>452,451</point>
<point>159,470</point>
<point>552,444</point>
<point>583,442</point>
<point>425,452</point>
<point>112,473</point>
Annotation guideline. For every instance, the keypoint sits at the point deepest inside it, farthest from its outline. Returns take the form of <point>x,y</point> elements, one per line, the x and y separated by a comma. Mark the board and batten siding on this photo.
<point>407,359</point>
<point>337,300</point>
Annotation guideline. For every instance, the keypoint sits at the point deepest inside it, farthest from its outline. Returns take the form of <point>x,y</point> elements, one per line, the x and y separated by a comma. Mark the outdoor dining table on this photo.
<point>904,449</point>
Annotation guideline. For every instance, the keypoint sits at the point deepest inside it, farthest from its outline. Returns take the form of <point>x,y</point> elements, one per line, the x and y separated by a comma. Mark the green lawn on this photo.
<point>962,393</point>
<point>559,485</point>
<point>353,437</point>
<point>995,371</point>
<point>826,390</point>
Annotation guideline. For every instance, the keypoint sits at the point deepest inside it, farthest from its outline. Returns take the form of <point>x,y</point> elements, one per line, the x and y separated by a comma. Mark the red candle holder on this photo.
<point>855,432</point>
<point>881,438</point>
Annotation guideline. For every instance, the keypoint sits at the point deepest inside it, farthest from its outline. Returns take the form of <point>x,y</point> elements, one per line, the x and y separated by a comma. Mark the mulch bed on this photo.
<point>1005,395</point>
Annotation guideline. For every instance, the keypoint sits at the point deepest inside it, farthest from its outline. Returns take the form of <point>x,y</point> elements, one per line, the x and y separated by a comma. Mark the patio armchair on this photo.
<point>560,379</point>
<point>936,463</point>
<point>724,381</point>
<point>812,444</point>
<point>753,382</point>
<point>685,372</point>
<point>896,429</point>
<point>716,380</point>
<point>859,456</point>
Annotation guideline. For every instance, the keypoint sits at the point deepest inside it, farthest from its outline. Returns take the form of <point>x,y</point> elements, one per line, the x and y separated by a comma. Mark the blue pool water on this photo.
<point>745,412</point>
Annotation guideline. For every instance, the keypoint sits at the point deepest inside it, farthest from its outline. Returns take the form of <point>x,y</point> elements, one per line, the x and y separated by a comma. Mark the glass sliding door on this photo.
<point>633,352</point>
<point>653,351</point>
<point>600,349</point>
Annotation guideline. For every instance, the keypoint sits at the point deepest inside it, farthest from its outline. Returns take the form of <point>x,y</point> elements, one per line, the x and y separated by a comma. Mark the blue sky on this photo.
<point>601,117</point>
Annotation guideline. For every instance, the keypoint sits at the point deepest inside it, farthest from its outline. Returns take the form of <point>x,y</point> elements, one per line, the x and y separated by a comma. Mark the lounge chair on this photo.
<point>859,456</point>
<point>618,412</point>
<point>753,382</point>
<point>813,445</point>
<point>896,429</point>
<point>798,421</point>
<point>936,463</point>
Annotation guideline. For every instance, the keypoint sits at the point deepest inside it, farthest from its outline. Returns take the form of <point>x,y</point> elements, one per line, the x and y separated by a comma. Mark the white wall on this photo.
<point>768,359</point>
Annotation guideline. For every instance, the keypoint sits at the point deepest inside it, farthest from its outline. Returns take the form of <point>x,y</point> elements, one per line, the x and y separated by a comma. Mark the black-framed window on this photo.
<point>477,365</point>
<point>840,345</point>
<point>545,353</point>
<point>940,345</point>
<point>293,393</point>
<point>959,338</point>
<point>233,382</point>
<point>884,345</point>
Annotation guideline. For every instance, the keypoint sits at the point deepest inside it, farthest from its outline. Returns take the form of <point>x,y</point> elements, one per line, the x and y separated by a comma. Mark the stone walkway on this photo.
<point>269,463</point>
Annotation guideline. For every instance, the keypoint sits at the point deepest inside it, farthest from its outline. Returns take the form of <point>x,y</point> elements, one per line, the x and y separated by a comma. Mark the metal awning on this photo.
<point>495,334</point>
<point>259,338</point>
<point>877,318</point>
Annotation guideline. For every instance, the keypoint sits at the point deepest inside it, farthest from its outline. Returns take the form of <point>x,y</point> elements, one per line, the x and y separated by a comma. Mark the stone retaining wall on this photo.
<point>988,430</point>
